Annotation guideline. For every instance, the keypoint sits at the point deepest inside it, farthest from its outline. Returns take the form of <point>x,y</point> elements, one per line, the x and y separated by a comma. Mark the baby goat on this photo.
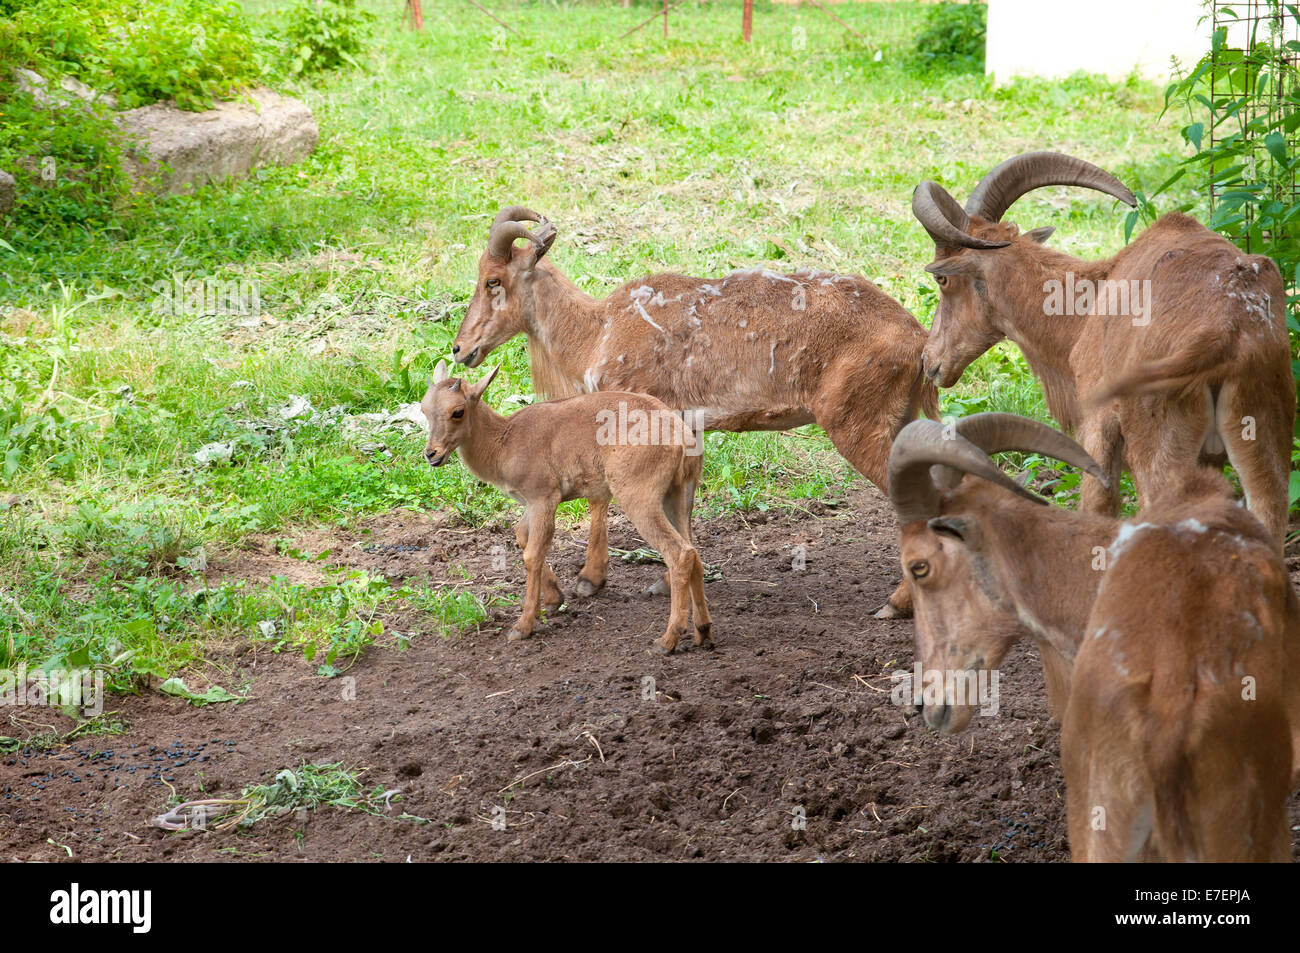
<point>577,448</point>
<point>1171,643</point>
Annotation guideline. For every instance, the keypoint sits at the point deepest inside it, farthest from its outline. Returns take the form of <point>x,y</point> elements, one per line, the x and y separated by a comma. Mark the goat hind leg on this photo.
<point>679,506</point>
<point>1259,447</point>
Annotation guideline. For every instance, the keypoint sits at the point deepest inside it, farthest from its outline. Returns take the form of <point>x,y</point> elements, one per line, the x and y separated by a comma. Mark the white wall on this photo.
<point>1054,38</point>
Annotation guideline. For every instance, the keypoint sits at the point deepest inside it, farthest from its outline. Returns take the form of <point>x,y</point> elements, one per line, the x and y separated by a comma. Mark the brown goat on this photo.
<point>1171,643</point>
<point>572,449</point>
<point>754,350</point>
<point>1170,353</point>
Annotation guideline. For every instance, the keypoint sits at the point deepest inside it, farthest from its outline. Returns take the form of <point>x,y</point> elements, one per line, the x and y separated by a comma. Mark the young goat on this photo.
<point>1171,644</point>
<point>1174,351</point>
<point>570,449</point>
<point>754,350</point>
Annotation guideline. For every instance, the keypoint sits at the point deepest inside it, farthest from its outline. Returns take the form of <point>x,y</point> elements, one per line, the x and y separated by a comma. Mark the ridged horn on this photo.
<point>924,444</point>
<point>1011,179</point>
<point>943,219</point>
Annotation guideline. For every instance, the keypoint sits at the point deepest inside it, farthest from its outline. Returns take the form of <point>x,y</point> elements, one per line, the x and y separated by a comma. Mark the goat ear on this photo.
<point>950,526</point>
<point>1040,235</point>
<point>440,373</point>
<point>966,263</point>
<point>477,390</point>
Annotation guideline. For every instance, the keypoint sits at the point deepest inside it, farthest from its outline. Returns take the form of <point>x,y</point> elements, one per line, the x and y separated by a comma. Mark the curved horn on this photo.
<point>515,213</point>
<point>943,219</point>
<point>923,444</point>
<point>503,235</point>
<point>1011,179</point>
<point>995,433</point>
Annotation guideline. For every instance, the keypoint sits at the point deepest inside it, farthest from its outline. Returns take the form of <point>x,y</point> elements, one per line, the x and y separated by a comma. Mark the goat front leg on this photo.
<point>592,577</point>
<point>540,527</point>
<point>552,594</point>
<point>1101,436</point>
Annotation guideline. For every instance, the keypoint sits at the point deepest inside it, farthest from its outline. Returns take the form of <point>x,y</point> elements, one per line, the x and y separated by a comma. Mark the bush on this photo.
<point>1246,138</point>
<point>190,51</point>
<point>953,37</point>
<point>68,171</point>
<point>324,34</point>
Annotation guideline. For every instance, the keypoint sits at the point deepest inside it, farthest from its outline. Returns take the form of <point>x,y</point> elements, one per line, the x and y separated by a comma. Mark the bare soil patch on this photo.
<point>595,749</point>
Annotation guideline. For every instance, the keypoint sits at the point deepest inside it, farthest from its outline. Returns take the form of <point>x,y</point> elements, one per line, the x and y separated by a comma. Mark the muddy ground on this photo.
<point>782,744</point>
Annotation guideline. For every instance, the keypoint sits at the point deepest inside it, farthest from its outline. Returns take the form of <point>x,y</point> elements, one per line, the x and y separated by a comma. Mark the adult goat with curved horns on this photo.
<point>1172,352</point>
<point>1170,644</point>
<point>753,350</point>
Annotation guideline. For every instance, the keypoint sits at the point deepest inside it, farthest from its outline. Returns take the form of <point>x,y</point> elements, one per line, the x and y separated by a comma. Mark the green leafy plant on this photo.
<point>1243,107</point>
<point>190,51</point>
<point>324,34</point>
<point>953,37</point>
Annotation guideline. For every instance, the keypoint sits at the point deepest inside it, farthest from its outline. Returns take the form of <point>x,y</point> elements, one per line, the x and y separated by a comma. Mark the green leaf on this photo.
<point>1275,143</point>
<point>214,695</point>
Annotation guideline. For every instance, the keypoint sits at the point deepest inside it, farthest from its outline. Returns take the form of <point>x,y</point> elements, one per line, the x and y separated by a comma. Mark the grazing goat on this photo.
<point>1174,351</point>
<point>577,448</point>
<point>754,350</point>
<point>1171,643</point>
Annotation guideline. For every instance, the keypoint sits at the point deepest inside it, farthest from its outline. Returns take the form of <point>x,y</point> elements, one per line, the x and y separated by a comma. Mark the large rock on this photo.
<point>189,149</point>
<point>6,192</point>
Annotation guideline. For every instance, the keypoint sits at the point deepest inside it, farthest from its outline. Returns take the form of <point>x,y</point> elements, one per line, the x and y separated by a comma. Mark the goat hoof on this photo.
<point>516,635</point>
<point>888,611</point>
<point>660,588</point>
<point>657,648</point>
<point>586,588</point>
<point>704,637</point>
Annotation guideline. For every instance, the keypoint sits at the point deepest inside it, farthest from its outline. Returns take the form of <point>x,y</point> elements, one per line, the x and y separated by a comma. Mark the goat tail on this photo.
<point>1197,361</point>
<point>1173,833</point>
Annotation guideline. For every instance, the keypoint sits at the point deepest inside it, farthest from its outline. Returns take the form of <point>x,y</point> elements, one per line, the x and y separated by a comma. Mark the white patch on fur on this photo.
<point>1125,536</point>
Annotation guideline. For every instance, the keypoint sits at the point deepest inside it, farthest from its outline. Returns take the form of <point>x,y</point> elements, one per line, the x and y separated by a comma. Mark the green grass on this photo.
<point>698,154</point>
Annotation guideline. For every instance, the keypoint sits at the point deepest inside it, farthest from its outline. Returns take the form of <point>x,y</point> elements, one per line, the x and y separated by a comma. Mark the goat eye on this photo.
<point>919,570</point>
<point>493,282</point>
<point>457,414</point>
<point>941,280</point>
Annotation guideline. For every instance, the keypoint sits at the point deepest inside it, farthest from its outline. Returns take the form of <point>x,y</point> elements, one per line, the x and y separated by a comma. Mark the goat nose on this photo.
<point>455,349</point>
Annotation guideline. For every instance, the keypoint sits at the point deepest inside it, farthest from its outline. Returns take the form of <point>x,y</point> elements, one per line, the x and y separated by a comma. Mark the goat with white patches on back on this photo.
<point>1171,644</point>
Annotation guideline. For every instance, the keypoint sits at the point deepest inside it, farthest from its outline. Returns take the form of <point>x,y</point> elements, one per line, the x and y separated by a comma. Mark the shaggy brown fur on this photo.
<point>1148,631</point>
<point>1203,376</point>
<point>753,350</point>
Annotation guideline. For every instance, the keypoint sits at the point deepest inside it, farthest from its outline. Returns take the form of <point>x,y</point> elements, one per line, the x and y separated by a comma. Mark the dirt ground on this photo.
<point>782,744</point>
